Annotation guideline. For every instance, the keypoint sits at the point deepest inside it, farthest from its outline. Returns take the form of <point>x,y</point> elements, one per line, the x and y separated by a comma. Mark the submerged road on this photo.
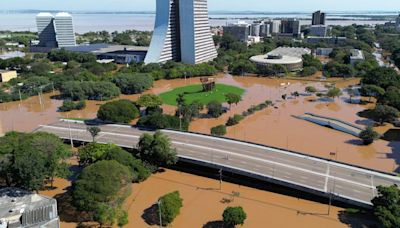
<point>318,176</point>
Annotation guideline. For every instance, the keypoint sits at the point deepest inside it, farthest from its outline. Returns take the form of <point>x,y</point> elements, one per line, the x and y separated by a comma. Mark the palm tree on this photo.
<point>94,131</point>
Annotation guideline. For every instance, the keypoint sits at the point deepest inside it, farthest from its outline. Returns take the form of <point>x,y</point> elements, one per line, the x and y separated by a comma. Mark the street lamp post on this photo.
<point>159,211</point>
<point>220,179</point>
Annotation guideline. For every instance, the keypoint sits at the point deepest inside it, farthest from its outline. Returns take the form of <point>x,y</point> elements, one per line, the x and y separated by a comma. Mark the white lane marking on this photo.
<point>240,155</point>
<point>392,178</point>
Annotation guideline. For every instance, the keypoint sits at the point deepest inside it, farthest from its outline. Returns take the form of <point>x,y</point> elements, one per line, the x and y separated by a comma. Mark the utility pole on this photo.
<point>159,211</point>
<point>220,179</point>
<point>70,133</point>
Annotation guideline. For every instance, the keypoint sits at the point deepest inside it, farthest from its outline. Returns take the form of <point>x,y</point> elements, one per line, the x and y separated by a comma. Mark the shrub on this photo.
<point>121,111</point>
<point>215,109</point>
<point>219,130</point>
<point>70,105</point>
<point>233,216</point>
<point>170,206</point>
<point>162,121</point>
<point>368,136</point>
<point>234,120</point>
<point>133,83</point>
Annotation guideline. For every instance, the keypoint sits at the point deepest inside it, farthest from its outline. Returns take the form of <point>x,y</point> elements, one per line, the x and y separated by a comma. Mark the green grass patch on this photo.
<point>195,93</point>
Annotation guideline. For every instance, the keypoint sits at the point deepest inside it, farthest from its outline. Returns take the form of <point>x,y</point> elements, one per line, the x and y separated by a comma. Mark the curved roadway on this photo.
<point>351,184</point>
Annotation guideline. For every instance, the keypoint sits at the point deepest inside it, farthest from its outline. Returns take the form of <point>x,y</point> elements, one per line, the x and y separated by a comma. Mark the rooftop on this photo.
<point>105,48</point>
<point>63,14</point>
<point>265,59</point>
<point>44,14</point>
<point>14,202</point>
<point>290,51</point>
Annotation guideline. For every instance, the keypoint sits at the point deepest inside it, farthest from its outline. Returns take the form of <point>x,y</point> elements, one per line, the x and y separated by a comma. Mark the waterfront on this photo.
<point>86,22</point>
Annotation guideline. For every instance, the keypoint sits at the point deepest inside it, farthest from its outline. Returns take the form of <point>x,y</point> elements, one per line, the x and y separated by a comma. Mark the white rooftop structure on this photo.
<point>290,51</point>
<point>356,56</point>
<point>19,208</point>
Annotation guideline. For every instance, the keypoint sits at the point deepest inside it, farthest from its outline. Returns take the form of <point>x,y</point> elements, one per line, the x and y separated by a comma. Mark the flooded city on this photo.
<point>276,126</point>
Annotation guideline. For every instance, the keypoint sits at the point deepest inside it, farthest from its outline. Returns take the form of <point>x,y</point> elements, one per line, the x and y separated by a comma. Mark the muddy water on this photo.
<point>202,204</point>
<point>274,126</point>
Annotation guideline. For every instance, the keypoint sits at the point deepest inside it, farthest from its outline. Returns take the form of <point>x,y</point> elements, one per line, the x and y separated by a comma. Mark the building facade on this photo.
<point>290,26</point>
<point>64,28</point>
<point>46,31</point>
<point>318,18</point>
<point>319,30</point>
<point>181,33</point>
<point>7,75</point>
<point>240,31</point>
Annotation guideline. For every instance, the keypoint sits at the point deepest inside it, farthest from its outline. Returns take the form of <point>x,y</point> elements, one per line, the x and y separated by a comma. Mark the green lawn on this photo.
<point>195,92</point>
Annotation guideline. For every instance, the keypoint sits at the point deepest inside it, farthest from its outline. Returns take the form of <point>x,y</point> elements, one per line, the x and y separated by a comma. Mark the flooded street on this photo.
<point>275,126</point>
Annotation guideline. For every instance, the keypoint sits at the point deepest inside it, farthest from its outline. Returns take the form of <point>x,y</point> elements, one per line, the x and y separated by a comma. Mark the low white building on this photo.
<point>356,56</point>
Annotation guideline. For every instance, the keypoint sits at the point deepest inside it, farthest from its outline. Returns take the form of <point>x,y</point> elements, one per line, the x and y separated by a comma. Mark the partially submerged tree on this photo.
<point>233,216</point>
<point>368,135</point>
<point>387,206</point>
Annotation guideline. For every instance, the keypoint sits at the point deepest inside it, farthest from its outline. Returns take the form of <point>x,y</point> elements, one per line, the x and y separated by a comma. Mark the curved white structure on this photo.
<point>181,33</point>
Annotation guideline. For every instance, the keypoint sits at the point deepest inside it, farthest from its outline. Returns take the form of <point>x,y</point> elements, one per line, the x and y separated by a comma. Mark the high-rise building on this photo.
<point>240,30</point>
<point>64,30</point>
<point>181,33</point>
<point>255,29</point>
<point>45,26</point>
<point>318,18</point>
<point>398,21</point>
<point>55,31</point>
<point>291,26</point>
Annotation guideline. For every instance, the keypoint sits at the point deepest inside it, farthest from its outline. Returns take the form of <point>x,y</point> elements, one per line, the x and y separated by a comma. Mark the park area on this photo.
<point>196,93</point>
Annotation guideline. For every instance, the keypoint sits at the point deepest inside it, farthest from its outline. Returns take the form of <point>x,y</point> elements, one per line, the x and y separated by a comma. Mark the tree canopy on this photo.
<point>387,206</point>
<point>157,150</point>
<point>121,111</point>
<point>233,216</point>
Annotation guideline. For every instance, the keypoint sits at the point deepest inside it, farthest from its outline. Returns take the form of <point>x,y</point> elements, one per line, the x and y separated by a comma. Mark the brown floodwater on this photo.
<point>274,126</point>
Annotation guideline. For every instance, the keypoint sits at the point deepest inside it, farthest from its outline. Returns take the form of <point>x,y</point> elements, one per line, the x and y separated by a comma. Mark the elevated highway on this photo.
<point>318,176</point>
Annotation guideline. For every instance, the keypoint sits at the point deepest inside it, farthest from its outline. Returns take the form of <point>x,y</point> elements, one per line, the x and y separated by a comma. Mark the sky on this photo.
<point>214,5</point>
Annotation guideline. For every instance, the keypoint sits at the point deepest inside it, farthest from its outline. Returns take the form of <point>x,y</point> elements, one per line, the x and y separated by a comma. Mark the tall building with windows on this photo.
<point>45,26</point>
<point>181,33</point>
<point>55,31</point>
<point>318,18</point>
<point>64,28</point>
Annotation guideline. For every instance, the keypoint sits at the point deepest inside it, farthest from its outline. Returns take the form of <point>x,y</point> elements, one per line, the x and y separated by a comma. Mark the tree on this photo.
<point>102,185</point>
<point>133,83</point>
<point>92,152</point>
<point>383,77</point>
<point>372,91</point>
<point>215,109</point>
<point>233,216</point>
<point>94,131</point>
<point>28,159</point>
<point>89,90</point>
<point>234,120</point>
<point>157,150</point>
<point>121,111</point>
<point>334,92</point>
<point>219,130</point>
<point>232,98</point>
<point>163,121</point>
<point>387,206</point>
<point>170,206</point>
<point>139,171</point>
<point>70,105</point>
<point>311,89</point>
<point>384,113</point>
<point>368,135</point>
<point>352,93</point>
<point>149,101</point>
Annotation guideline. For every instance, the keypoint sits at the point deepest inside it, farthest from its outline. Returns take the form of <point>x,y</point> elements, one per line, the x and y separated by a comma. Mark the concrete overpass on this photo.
<point>318,176</point>
<point>336,124</point>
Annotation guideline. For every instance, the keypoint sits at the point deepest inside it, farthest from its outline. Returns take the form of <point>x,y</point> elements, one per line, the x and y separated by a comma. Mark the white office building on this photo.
<point>64,28</point>
<point>181,33</point>
<point>55,31</point>
<point>45,26</point>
